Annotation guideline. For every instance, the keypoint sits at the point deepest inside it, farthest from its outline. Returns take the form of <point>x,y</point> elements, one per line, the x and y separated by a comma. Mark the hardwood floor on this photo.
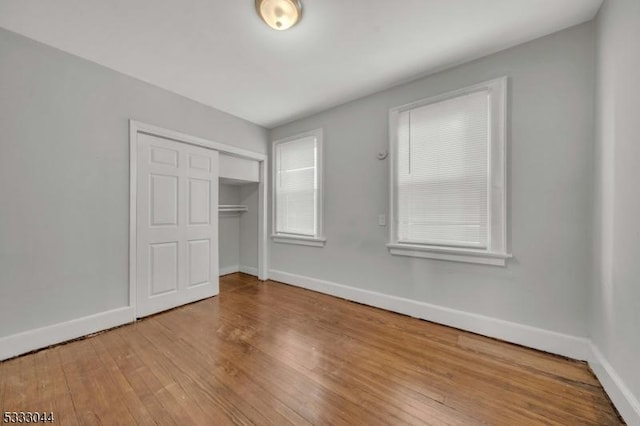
<point>269,353</point>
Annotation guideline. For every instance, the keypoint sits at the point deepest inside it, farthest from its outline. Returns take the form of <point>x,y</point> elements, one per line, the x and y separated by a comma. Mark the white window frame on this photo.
<point>318,240</point>
<point>496,251</point>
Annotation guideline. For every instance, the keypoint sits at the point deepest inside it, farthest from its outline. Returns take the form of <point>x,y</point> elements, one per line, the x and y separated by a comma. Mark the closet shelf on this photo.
<point>232,208</point>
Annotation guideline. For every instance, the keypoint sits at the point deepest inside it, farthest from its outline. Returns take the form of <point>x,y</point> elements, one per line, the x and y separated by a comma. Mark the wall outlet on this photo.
<point>382,220</point>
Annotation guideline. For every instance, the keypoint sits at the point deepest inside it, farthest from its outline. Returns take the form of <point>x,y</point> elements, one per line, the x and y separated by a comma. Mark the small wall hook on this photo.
<point>382,155</point>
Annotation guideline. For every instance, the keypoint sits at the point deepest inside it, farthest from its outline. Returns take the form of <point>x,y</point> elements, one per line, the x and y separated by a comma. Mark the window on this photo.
<point>448,176</point>
<point>297,189</point>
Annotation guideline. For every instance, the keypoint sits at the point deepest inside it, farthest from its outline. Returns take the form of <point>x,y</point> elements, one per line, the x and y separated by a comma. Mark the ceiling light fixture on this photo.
<point>279,14</point>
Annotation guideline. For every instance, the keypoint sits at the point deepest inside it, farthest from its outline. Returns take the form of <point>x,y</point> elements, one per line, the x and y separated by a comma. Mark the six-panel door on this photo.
<point>177,224</point>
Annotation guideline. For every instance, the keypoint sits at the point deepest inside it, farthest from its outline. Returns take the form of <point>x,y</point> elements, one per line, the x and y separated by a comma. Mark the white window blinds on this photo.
<point>296,187</point>
<point>442,172</point>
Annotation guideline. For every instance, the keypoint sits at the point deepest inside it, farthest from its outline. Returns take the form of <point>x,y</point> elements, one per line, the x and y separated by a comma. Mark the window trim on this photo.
<point>318,240</point>
<point>496,251</point>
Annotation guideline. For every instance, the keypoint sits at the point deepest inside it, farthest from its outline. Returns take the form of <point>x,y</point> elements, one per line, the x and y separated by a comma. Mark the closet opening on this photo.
<point>238,219</point>
<point>238,234</point>
<point>238,227</point>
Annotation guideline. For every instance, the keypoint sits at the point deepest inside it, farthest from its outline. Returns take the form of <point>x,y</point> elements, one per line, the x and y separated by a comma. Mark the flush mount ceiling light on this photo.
<point>279,14</point>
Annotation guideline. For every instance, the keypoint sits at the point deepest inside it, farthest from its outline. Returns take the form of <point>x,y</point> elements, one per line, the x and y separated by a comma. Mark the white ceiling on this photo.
<point>221,54</point>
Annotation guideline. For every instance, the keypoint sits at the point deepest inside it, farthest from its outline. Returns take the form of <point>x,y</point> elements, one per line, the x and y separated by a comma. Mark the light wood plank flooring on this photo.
<point>269,353</point>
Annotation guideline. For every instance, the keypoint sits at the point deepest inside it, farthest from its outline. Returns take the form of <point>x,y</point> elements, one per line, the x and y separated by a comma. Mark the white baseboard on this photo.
<point>229,270</point>
<point>238,268</point>
<point>249,270</point>
<point>627,404</point>
<point>537,338</point>
<point>18,344</point>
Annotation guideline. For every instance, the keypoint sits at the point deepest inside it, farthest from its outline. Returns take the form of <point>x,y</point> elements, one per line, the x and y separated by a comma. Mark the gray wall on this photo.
<point>551,103</point>
<point>229,228</point>
<point>64,178</point>
<point>615,316</point>
<point>249,227</point>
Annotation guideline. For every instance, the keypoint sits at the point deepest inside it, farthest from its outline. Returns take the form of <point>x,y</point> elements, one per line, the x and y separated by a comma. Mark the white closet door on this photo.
<point>177,224</point>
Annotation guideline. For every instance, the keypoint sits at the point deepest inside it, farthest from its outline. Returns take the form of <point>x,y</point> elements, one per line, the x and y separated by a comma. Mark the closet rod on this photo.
<point>232,208</point>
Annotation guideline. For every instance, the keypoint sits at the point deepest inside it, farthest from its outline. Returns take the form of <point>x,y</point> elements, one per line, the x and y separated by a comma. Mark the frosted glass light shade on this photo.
<point>279,14</point>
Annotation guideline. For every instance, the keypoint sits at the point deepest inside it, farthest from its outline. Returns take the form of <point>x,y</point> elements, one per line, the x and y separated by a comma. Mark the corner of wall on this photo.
<point>624,400</point>
<point>614,294</point>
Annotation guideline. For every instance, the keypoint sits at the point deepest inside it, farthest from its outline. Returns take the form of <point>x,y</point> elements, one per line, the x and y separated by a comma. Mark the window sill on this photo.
<point>448,253</point>
<point>301,241</point>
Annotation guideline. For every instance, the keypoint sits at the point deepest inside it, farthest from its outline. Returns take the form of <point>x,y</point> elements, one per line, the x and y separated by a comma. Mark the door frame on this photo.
<point>136,127</point>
